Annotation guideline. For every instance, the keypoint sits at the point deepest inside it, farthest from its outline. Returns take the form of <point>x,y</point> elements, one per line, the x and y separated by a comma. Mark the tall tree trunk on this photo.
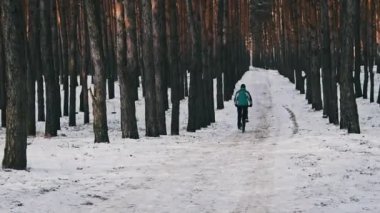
<point>358,89</point>
<point>132,52</point>
<point>173,51</point>
<point>139,42</point>
<point>300,83</point>
<point>194,103</point>
<point>86,114</point>
<point>220,55</point>
<point>48,67</point>
<point>64,8</point>
<point>314,66</point>
<point>99,96</point>
<point>13,27</point>
<point>132,69</point>
<point>2,76</point>
<point>86,64</point>
<point>56,66</point>
<point>349,112</point>
<point>309,89</point>
<point>127,102</point>
<point>326,59</point>
<point>151,120</point>
<point>365,50</point>
<point>159,43</point>
<point>34,61</point>
<point>110,53</point>
<point>73,60</point>
<point>372,48</point>
<point>334,66</point>
<point>331,101</point>
<point>107,48</point>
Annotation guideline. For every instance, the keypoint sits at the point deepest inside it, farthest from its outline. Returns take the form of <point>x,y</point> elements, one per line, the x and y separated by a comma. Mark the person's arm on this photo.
<point>235,98</point>
<point>250,99</point>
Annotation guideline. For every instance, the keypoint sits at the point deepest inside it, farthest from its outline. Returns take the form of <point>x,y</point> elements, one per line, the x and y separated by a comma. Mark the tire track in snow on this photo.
<point>260,182</point>
<point>293,119</point>
<point>267,120</point>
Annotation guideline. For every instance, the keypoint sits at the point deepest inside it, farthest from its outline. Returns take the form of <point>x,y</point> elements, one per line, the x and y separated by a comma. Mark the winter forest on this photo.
<point>128,105</point>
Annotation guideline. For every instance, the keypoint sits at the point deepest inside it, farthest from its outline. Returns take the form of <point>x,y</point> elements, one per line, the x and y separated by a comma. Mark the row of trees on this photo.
<point>53,44</point>
<point>310,40</point>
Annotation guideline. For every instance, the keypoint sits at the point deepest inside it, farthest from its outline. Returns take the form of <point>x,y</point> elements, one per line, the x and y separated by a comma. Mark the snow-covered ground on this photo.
<point>289,160</point>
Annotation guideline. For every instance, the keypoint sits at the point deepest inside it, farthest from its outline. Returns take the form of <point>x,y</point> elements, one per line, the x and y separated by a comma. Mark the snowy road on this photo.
<point>289,160</point>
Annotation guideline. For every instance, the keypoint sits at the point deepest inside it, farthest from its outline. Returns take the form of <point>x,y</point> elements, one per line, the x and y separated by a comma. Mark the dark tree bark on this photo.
<point>220,55</point>
<point>85,68</point>
<point>334,62</point>
<point>151,121</point>
<point>372,48</point>
<point>174,65</point>
<point>64,7</point>
<point>48,67</point>
<point>326,58</point>
<point>40,98</point>
<point>13,28</point>
<point>309,89</point>
<point>349,112</point>
<point>4,117</point>
<point>208,41</point>
<point>132,68</point>
<point>73,60</point>
<point>2,77</point>
<point>329,82</point>
<point>56,65</point>
<point>300,82</point>
<point>378,71</point>
<point>314,66</point>
<point>34,64</point>
<point>185,85</point>
<point>159,51</point>
<point>139,42</point>
<point>126,80</point>
<point>365,50</point>
<point>99,95</point>
<point>109,49</point>
<point>195,102</point>
<point>132,50</point>
<point>358,89</point>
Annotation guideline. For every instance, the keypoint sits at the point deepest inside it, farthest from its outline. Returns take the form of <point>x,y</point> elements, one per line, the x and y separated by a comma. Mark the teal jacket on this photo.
<point>243,98</point>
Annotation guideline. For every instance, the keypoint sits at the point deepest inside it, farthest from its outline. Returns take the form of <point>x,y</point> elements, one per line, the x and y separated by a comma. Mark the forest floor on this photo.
<point>289,160</point>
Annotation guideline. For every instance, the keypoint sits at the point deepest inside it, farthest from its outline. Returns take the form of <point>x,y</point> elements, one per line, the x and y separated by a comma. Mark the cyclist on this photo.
<point>243,100</point>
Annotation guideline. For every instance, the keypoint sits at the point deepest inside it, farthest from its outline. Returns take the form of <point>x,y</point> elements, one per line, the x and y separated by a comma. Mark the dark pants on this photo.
<point>242,114</point>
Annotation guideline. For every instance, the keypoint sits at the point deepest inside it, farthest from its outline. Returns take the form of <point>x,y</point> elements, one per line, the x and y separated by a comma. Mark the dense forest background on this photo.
<point>48,46</point>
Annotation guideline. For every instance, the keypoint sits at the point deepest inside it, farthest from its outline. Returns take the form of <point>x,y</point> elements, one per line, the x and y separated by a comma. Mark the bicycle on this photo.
<point>243,124</point>
<point>243,118</point>
<point>242,101</point>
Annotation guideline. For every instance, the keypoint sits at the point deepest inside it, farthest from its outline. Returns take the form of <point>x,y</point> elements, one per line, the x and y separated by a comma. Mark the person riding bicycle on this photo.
<point>243,100</point>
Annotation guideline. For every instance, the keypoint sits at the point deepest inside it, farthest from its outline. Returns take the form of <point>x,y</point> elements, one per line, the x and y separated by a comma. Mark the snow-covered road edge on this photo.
<point>272,168</point>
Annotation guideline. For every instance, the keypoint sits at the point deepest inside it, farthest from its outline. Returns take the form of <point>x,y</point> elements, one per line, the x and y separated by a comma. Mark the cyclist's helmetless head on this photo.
<point>242,86</point>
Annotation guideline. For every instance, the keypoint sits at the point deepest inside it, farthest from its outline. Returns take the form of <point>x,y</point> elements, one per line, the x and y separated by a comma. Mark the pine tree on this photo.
<point>99,95</point>
<point>48,67</point>
<point>159,47</point>
<point>151,120</point>
<point>127,102</point>
<point>349,112</point>
<point>173,50</point>
<point>13,28</point>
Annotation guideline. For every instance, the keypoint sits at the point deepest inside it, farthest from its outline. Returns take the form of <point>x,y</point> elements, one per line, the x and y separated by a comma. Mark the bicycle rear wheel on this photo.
<point>243,126</point>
